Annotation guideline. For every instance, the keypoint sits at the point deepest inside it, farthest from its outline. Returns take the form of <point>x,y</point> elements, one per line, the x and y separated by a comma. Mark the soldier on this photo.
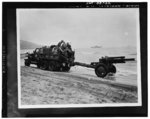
<point>60,43</point>
<point>55,50</point>
<point>65,48</point>
<point>69,46</point>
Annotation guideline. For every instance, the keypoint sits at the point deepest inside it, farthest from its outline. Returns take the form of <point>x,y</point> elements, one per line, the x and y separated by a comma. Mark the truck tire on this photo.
<point>51,66</point>
<point>101,70</point>
<point>38,65</point>
<point>44,65</point>
<point>65,69</point>
<point>27,62</point>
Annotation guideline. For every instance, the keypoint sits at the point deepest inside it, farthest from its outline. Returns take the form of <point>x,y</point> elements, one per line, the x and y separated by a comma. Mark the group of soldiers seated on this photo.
<point>63,47</point>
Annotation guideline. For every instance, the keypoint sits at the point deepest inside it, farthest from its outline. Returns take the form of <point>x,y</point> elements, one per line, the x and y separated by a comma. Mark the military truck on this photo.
<point>54,58</point>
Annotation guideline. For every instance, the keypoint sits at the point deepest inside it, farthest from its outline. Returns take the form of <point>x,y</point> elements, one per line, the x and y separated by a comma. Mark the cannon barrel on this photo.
<point>130,59</point>
<point>120,59</point>
<point>114,57</point>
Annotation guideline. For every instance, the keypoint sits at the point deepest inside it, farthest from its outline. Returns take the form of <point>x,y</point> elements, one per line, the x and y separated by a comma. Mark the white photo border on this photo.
<point>139,103</point>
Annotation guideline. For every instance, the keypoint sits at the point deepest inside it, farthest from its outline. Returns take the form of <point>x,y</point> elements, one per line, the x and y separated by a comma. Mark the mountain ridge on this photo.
<point>28,45</point>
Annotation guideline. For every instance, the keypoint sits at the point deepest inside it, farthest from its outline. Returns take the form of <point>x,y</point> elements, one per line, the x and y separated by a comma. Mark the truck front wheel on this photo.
<point>38,65</point>
<point>27,63</point>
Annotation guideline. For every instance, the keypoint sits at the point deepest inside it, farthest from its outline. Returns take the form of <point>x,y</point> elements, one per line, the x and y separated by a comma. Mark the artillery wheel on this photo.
<point>101,70</point>
<point>27,62</point>
<point>112,69</point>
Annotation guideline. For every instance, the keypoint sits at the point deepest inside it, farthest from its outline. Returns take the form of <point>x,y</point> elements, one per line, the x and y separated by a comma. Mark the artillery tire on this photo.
<point>101,70</point>
<point>27,62</point>
<point>112,69</point>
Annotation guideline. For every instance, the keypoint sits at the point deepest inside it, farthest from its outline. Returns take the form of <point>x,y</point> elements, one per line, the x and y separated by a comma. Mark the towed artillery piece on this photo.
<point>105,65</point>
<point>53,58</point>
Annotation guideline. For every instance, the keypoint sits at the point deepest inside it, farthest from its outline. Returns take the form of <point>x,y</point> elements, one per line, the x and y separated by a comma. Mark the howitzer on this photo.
<point>105,65</point>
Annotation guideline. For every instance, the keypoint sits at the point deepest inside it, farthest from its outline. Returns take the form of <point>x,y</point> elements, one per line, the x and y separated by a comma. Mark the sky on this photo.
<point>82,27</point>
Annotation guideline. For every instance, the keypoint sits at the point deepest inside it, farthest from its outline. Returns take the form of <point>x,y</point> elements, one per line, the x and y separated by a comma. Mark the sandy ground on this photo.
<point>45,87</point>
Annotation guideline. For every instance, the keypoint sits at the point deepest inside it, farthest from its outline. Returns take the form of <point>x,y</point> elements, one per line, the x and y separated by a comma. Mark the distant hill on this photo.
<point>28,45</point>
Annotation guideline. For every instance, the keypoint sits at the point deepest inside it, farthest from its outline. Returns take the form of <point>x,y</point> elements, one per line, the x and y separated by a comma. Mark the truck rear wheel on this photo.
<point>65,69</point>
<point>53,66</point>
<point>44,65</point>
<point>101,70</point>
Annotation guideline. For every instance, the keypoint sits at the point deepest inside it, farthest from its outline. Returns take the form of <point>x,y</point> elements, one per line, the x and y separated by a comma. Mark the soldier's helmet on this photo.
<point>69,45</point>
<point>64,45</point>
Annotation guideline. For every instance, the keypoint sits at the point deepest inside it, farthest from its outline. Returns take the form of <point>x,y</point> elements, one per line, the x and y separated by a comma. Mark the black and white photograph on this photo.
<point>78,57</point>
<point>74,59</point>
